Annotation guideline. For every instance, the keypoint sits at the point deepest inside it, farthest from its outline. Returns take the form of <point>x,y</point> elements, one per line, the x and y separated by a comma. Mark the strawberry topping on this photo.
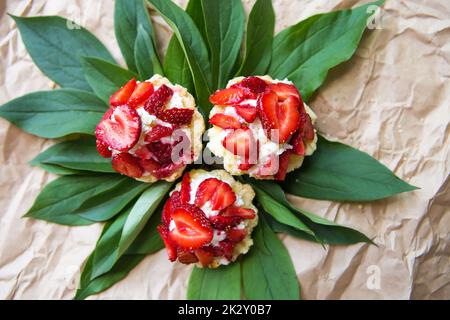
<point>173,202</point>
<point>158,99</point>
<point>103,149</point>
<point>170,246</point>
<point>228,96</point>
<point>240,142</point>
<point>248,113</point>
<point>223,223</point>
<point>219,194</point>
<point>141,94</point>
<point>252,86</point>
<point>236,235</point>
<point>126,164</point>
<point>284,90</point>
<point>204,256</point>
<point>283,166</point>
<point>157,133</point>
<point>224,121</point>
<point>234,211</point>
<point>177,116</point>
<point>185,190</point>
<point>123,94</point>
<point>186,257</point>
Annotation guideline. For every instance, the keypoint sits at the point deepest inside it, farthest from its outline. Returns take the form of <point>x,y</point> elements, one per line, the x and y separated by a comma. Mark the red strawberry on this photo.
<point>240,142</point>
<point>244,166</point>
<point>177,116</point>
<point>103,149</point>
<point>253,86</point>
<point>219,193</point>
<point>248,113</point>
<point>149,165</point>
<point>282,116</point>
<point>308,129</point>
<point>158,99</point>
<point>270,167</point>
<point>236,235</point>
<point>123,94</point>
<point>223,223</point>
<point>234,211</point>
<point>143,153</point>
<point>108,113</point>
<point>298,146</point>
<point>284,90</point>
<point>186,257</point>
<point>157,133</point>
<point>171,203</point>
<point>126,164</point>
<point>225,248</point>
<point>225,122</point>
<point>170,246</point>
<point>142,92</point>
<point>185,190</point>
<point>283,166</point>
<point>192,228</point>
<point>122,131</point>
<point>205,256</point>
<point>167,170</point>
<point>162,152</point>
<point>228,96</point>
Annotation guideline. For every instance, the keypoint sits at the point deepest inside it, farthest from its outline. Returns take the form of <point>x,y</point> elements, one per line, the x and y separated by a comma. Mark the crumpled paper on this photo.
<point>392,100</point>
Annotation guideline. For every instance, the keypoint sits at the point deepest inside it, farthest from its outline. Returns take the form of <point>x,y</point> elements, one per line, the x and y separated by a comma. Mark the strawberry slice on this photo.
<point>185,190</point>
<point>108,113</point>
<point>158,99</point>
<point>282,116</point>
<point>167,170</point>
<point>126,164</point>
<point>142,92</point>
<point>225,248</point>
<point>170,246</point>
<point>157,133</point>
<point>236,235</point>
<point>283,166</point>
<point>252,86</point>
<point>122,131</point>
<point>284,90</point>
<point>224,223</point>
<point>224,121</point>
<point>186,257</point>
<point>143,153</point>
<point>205,257</point>
<point>192,228</point>
<point>162,152</point>
<point>240,142</point>
<point>121,96</point>
<point>298,146</point>
<point>308,129</point>
<point>149,165</point>
<point>234,211</point>
<point>228,96</point>
<point>173,202</point>
<point>103,149</point>
<point>177,116</point>
<point>244,166</point>
<point>247,112</point>
<point>219,193</point>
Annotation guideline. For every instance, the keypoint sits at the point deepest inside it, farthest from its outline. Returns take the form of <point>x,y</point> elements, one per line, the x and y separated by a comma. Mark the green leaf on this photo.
<point>267,270</point>
<point>57,169</point>
<point>148,241</point>
<point>147,61</point>
<point>305,52</point>
<point>54,114</point>
<point>80,154</point>
<point>193,46</point>
<point>223,283</point>
<point>128,16</point>
<point>259,38</point>
<point>60,199</point>
<point>341,173</point>
<point>55,44</point>
<point>104,77</point>
<point>141,212</point>
<point>224,25</point>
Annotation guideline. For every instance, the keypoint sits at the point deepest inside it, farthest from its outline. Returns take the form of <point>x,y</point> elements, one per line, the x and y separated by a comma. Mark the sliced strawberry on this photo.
<point>186,257</point>
<point>283,166</point>
<point>162,152</point>
<point>224,121</point>
<point>149,165</point>
<point>103,149</point>
<point>298,146</point>
<point>143,153</point>
<point>205,256</point>
<point>126,164</point>
<point>247,112</point>
<point>142,92</point>
<point>158,99</point>
<point>308,130</point>
<point>223,223</point>
<point>219,193</point>
<point>171,203</point>
<point>170,246</point>
<point>236,235</point>
<point>167,170</point>
<point>253,86</point>
<point>244,166</point>
<point>234,211</point>
<point>225,248</point>
<point>177,116</point>
<point>228,96</point>
<point>270,167</point>
<point>108,113</point>
<point>123,94</point>
<point>284,90</point>
<point>192,228</point>
<point>185,190</point>
<point>122,131</point>
<point>240,142</point>
<point>157,133</point>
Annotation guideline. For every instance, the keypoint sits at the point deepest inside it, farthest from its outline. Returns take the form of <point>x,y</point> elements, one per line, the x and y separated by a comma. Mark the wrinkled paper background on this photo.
<point>391,100</point>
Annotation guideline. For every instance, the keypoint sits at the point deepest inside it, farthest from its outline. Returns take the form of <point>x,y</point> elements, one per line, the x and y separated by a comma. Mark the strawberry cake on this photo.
<point>261,127</point>
<point>151,131</point>
<point>208,219</point>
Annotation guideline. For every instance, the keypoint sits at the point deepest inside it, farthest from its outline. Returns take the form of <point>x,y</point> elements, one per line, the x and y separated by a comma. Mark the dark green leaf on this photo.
<point>104,77</point>
<point>55,44</point>
<point>58,170</point>
<point>279,227</point>
<point>267,270</point>
<point>148,241</point>
<point>305,52</point>
<point>147,62</point>
<point>128,16</point>
<point>223,283</point>
<point>61,198</point>
<point>224,25</point>
<point>341,173</point>
<point>259,38</point>
<point>54,114</point>
<point>193,46</point>
<point>80,154</point>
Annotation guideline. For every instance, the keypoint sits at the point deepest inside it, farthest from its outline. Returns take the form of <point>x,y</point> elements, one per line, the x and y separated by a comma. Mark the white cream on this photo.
<point>219,235</point>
